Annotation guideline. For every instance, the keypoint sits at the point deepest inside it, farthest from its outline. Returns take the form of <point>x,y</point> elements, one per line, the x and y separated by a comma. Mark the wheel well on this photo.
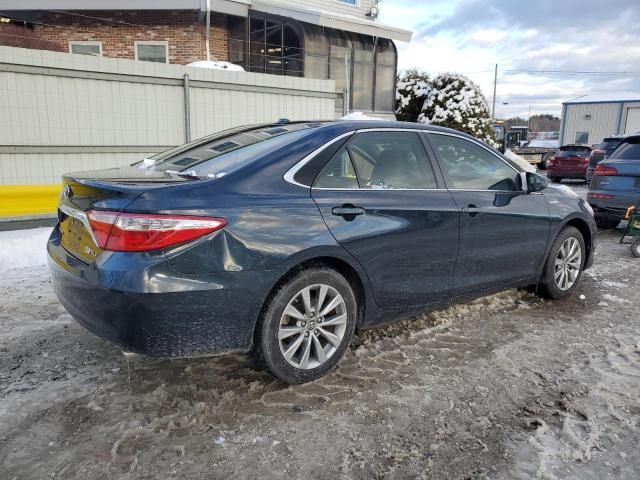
<point>584,229</point>
<point>340,266</point>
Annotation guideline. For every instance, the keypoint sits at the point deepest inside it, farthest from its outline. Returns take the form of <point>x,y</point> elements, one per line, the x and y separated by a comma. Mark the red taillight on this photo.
<point>601,196</point>
<point>141,232</point>
<point>605,171</point>
<point>552,161</point>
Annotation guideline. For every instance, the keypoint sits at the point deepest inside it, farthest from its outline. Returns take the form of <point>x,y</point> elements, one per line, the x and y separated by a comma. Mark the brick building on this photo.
<point>326,39</point>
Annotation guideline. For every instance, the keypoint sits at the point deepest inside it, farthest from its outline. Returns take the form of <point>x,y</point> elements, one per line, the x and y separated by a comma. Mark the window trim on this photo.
<point>164,43</point>
<point>85,42</point>
<point>290,174</point>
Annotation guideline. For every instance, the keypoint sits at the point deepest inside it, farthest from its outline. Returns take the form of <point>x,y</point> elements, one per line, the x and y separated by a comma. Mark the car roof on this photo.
<point>350,125</point>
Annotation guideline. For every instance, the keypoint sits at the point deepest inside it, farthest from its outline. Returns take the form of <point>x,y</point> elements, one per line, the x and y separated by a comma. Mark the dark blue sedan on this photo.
<point>615,185</point>
<point>284,239</point>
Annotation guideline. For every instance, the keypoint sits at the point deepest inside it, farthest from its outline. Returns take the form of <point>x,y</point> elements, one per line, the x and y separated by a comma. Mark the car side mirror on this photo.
<point>532,182</point>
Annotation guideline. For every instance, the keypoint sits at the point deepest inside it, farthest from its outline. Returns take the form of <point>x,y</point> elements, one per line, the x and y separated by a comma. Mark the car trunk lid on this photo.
<point>111,189</point>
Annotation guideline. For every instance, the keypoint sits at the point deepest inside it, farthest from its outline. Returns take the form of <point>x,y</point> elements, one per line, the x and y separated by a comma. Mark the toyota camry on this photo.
<point>282,240</point>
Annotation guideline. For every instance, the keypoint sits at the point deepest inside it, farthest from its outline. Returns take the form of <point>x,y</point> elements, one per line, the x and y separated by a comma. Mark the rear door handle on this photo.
<point>472,210</point>
<point>347,211</point>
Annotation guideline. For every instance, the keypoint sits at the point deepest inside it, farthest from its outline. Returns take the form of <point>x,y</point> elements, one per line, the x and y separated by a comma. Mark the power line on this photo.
<point>572,72</point>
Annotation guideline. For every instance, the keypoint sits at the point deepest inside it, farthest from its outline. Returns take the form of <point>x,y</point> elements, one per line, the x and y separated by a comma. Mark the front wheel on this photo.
<point>635,248</point>
<point>307,326</point>
<point>555,179</point>
<point>564,266</point>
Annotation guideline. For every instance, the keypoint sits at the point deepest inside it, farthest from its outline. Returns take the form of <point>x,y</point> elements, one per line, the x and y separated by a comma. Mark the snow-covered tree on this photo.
<point>412,88</point>
<point>454,101</point>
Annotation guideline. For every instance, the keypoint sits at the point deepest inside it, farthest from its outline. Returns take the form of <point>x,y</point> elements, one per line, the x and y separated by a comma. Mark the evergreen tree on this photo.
<point>412,88</point>
<point>454,101</point>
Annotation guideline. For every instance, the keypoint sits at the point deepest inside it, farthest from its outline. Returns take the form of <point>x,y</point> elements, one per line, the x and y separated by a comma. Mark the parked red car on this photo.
<point>571,161</point>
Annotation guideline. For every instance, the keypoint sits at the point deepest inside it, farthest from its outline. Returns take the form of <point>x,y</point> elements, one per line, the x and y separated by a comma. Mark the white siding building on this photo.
<point>590,118</point>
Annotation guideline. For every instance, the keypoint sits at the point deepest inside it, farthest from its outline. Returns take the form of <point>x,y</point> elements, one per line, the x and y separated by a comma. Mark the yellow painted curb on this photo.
<point>27,200</point>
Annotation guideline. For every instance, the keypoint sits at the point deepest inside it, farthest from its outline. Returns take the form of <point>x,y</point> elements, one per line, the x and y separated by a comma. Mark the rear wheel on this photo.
<point>564,266</point>
<point>605,222</point>
<point>635,248</point>
<point>307,326</point>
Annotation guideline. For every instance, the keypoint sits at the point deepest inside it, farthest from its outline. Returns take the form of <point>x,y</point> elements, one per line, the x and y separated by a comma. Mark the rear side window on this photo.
<point>468,166</point>
<point>628,150</point>
<point>391,160</point>
<point>338,173</point>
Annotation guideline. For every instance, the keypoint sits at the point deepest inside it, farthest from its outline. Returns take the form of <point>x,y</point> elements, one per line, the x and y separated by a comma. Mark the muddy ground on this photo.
<point>506,387</point>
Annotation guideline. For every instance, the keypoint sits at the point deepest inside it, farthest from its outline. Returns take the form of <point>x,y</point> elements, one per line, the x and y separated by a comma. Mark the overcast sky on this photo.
<point>471,36</point>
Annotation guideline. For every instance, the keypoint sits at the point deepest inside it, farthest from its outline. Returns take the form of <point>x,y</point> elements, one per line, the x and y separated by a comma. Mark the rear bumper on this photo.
<point>614,207</point>
<point>150,309</point>
<point>578,173</point>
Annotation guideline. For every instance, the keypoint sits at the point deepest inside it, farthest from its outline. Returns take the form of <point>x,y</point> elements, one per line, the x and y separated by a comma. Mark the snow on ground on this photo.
<point>23,248</point>
<point>508,386</point>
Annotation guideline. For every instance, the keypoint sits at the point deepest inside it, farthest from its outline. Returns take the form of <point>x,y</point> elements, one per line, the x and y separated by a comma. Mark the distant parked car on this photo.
<point>601,152</point>
<point>570,161</point>
<point>616,184</point>
<point>284,239</point>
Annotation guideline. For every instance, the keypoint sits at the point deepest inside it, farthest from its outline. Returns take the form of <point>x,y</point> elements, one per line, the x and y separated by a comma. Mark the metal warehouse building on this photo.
<point>590,118</point>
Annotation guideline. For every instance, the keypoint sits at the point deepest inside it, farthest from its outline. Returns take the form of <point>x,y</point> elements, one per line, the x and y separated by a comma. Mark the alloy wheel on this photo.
<point>312,326</point>
<point>568,264</point>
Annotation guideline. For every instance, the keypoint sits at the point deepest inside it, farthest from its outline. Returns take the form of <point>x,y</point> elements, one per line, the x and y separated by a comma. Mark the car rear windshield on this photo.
<point>226,152</point>
<point>565,152</point>
<point>609,145</point>
<point>629,149</point>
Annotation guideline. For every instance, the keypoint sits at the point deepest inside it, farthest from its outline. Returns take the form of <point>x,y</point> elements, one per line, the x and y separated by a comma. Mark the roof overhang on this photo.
<point>230,7</point>
<point>350,23</point>
<point>333,20</point>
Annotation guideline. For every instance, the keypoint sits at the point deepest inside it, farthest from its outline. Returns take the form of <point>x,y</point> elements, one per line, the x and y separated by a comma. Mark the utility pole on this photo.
<point>495,91</point>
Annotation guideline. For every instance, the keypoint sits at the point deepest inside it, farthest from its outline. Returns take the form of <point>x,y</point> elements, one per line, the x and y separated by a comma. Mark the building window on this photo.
<point>152,52</point>
<point>86,48</point>
<point>348,2</point>
<point>270,45</point>
<point>582,138</point>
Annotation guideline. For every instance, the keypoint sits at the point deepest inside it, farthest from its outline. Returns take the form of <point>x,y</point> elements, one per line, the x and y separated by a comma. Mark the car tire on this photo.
<point>294,341</point>
<point>605,222</point>
<point>635,248</point>
<point>563,264</point>
<point>555,179</point>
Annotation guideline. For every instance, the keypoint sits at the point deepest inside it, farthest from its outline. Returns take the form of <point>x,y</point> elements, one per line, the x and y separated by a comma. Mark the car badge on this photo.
<point>67,193</point>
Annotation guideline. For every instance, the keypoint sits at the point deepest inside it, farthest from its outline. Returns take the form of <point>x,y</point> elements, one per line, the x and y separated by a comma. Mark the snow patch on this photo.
<point>614,299</point>
<point>215,65</point>
<point>360,116</point>
<point>24,248</point>
<point>521,162</point>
